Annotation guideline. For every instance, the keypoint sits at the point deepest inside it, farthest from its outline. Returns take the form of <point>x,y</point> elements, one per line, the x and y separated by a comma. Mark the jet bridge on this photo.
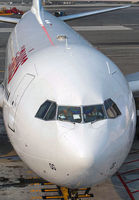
<point>133,80</point>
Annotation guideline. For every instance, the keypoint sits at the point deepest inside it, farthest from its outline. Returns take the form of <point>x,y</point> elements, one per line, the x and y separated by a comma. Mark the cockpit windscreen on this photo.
<point>69,113</point>
<point>49,110</point>
<point>94,113</point>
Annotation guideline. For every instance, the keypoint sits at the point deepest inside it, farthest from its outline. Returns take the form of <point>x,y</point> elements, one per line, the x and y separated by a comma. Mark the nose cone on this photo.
<point>81,148</point>
<point>91,152</point>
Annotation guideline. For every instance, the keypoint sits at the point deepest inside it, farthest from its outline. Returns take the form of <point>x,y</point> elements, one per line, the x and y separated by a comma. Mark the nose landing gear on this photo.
<point>75,194</point>
<point>56,192</point>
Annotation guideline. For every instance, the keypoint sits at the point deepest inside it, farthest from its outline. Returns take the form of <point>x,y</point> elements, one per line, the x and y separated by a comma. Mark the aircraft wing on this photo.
<point>69,17</point>
<point>9,20</point>
<point>84,14</point>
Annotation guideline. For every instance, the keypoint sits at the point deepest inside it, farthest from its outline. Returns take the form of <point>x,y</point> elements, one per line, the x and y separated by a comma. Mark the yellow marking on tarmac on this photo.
<point>48,183</point>
<point>1,71</point>
<point>35,177</point>
<point>82,189</point>
<point>84,195</point>
<point>30,177</point>
<point>12,153</point>
<point>46,190</point>
<point>54,197</point>
<point>65,192</point>
<point>5,14</point>
<point>35,190</point>
<point>29,172</point>
<point>35,184</point>
<point>51,190</point>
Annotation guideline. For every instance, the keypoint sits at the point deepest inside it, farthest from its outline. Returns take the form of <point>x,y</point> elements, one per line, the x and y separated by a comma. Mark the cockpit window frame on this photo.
<point>116,109</point>
<point>106,116</point>
<point>47,111</point>
<point>68,120</point>
<point>94,105</point>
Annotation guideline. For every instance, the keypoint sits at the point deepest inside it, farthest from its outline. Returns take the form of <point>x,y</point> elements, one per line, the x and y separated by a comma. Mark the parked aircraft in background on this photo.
<point>68,110</point>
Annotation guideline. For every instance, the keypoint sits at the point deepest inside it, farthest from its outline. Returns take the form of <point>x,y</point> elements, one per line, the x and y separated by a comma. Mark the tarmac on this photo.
<point>116,34</point>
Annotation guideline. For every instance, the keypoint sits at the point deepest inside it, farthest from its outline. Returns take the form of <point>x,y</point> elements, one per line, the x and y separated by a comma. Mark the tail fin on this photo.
<point>37,9</point>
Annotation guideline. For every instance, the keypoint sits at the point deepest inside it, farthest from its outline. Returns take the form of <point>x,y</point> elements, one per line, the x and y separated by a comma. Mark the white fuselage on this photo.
<point>55,63</point>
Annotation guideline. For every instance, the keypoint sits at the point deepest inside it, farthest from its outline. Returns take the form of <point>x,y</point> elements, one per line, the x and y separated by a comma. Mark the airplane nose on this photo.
<point>90,153</point>
<point>82,141</point>
<point>84,152</point>
<point>83,158</point>
<point>82,148</point>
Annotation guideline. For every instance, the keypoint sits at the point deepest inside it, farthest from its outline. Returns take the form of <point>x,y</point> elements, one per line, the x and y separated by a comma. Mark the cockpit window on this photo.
<point>47,111</point>
<point>111,109</point>
<point>83,114</point>
<point>50,114</point>
<point>71,114</point>
<point>94,113</point>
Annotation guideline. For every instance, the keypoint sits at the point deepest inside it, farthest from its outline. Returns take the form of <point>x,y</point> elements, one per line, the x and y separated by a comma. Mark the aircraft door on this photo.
<point>14,99</point>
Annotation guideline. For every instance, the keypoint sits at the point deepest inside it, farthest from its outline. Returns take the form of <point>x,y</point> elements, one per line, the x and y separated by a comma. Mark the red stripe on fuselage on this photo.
<point>20,58</point>
<point>50,40</point>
